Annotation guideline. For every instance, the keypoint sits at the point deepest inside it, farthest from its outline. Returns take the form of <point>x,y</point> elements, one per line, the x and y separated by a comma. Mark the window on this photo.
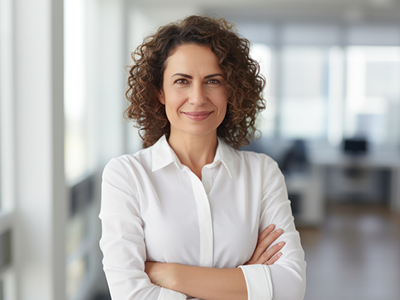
<point>76,147</point>
<point>94,88</point>
<point>373,94</point>
<point>305,92</point>
<point>266,121</point>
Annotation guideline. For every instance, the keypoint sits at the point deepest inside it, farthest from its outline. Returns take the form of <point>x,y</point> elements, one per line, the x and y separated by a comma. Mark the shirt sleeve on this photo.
<point>122,241</point>
<point>286,278</point>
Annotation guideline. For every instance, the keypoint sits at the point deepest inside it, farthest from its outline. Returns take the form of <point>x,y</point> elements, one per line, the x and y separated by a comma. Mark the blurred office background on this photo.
<point>332,122</point>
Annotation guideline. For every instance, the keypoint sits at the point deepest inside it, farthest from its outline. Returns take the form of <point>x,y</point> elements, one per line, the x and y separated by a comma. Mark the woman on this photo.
<point>181,216</point>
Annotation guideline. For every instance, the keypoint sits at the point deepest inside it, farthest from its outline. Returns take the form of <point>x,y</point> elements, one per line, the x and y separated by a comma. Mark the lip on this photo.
<point>198,115</point>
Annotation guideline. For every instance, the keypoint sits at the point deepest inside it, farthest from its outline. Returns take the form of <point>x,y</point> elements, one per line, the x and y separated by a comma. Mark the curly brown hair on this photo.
<point>242,74</point>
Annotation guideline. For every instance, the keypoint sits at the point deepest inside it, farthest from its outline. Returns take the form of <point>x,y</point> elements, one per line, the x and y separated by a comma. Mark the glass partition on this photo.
<point>373,94</point>
<point>305,92</point>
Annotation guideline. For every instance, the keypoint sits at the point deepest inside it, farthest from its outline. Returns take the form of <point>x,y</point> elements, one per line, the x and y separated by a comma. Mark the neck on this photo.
<point>194,151</point>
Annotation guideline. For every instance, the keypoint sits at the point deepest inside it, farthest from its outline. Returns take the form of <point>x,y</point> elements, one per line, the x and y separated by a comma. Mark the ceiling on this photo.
<point>381,11</point>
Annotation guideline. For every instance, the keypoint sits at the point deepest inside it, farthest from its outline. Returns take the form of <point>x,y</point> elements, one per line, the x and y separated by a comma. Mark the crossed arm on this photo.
<point>128,273</point>
<point>215,283</point>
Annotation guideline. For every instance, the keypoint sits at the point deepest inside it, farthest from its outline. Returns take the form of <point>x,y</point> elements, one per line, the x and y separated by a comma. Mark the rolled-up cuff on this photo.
<point>258,282</point>
<point>167,294</point>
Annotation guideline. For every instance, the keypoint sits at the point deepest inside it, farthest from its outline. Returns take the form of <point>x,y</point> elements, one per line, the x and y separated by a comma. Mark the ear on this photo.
<point>161,97</point>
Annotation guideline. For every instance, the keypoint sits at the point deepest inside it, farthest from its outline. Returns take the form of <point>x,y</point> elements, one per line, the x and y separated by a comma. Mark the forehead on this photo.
<point>192,57</point>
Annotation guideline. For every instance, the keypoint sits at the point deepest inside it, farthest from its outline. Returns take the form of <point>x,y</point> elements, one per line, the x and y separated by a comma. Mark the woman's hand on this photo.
<point>164,274</point>
<point>160,274</point>
<point>263,256</point>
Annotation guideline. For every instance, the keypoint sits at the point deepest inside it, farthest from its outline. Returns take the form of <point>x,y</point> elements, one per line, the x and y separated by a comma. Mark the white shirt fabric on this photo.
<point>156,209</point>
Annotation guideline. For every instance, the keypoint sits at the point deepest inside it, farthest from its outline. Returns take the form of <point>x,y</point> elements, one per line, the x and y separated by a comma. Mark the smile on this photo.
<point>198,115</point>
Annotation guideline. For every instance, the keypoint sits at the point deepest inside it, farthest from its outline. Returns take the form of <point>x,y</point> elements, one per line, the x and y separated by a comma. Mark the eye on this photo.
<point>181,81</point>
<point>213,81</point>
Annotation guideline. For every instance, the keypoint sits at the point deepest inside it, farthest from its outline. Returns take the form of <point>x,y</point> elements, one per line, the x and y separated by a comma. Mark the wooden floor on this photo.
<point>355,255</point>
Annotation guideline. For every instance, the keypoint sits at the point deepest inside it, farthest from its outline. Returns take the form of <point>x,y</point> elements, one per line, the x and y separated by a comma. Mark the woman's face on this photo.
<point>194,91</point>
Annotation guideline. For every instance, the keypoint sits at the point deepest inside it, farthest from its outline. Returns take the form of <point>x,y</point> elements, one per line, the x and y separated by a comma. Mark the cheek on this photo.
<point>222,109</point>
<point>224,97</point>
<point>173,103</point>
<point>223,105</point>
<point>176,96</point>
<point>223,102</point>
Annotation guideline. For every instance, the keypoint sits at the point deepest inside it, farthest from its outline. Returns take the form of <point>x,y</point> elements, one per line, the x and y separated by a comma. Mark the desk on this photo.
<point>389,161</point>
<point>311,185</point>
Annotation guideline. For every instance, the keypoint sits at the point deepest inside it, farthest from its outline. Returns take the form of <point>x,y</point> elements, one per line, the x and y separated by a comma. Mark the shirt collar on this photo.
<point>163,155</point>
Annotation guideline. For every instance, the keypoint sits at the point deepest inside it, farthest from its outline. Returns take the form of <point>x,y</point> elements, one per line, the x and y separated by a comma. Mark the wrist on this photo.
<point>173,276</point>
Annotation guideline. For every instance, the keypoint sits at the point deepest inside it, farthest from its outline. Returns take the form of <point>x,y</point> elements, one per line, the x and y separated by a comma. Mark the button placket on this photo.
<point>207,179</point>
<point>205,222</point>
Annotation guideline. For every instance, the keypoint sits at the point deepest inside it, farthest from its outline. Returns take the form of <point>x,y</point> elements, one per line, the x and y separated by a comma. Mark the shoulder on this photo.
<point>125,170</point>
<point>124,162</point>
<point>256,160</point>
<point>128,162</point>
<point>264,168</point>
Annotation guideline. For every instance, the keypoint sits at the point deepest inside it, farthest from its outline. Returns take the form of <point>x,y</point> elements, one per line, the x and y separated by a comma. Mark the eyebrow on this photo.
<point>190,77</point>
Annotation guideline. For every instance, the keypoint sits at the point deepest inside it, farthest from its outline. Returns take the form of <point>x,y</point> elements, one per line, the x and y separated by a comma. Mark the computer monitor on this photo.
<point>355,146</point>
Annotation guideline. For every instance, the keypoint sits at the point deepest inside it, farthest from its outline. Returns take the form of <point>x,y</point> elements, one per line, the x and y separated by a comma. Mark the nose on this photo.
<point>197,95</point>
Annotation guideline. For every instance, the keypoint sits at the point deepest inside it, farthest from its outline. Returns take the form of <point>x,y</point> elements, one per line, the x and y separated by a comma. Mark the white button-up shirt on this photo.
<point>156,209</point>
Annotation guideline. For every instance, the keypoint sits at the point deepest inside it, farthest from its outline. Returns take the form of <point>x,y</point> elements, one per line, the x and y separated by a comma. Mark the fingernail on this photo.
<point>281,244</point>
<point>270,226</point>
<point>279,231</point>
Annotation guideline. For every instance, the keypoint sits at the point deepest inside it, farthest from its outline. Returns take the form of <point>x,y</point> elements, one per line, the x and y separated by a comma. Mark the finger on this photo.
<point>267,255</point>
<point>274,259</point>
<point>265,233</point>
<point>265,243</point>
<point>269,239</point>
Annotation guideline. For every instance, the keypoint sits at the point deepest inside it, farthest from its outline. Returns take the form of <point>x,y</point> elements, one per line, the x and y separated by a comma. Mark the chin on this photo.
<point>201,132</point>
